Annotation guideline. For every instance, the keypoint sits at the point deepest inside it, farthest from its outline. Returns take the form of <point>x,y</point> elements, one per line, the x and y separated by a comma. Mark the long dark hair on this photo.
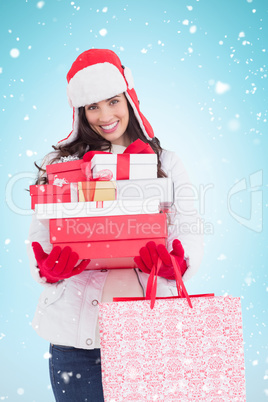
<point>87,139</point>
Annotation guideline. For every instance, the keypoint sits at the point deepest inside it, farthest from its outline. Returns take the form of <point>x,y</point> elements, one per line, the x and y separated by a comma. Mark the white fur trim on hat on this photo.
<point>129,77</point>
<point>136,113</point>
<point>95,83</point>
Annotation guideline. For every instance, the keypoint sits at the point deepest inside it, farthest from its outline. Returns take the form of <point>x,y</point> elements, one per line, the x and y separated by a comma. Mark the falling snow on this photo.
<point>249,279</point>
<point>66,377</point>
<point>222,257</point>
<point>40,4</point>
<point>193,29</point>
<point>14,53</point>
<point>47,355</point>
<point>103,32</point>
<point>221,87</point>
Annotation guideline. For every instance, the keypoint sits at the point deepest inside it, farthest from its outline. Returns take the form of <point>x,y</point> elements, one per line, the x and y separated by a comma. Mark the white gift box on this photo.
<point>44,212</point>
<point>142,166</point>
<point>145,189</point>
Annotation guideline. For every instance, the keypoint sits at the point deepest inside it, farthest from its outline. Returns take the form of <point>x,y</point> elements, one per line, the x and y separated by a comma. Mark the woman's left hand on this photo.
<point>150,254</point>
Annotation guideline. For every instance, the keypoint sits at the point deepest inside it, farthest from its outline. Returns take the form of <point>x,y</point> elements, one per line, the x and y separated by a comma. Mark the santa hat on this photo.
<point>96,75</point>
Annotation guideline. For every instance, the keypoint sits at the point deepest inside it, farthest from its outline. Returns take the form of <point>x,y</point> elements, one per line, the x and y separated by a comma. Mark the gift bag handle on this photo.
<point>152,282</point>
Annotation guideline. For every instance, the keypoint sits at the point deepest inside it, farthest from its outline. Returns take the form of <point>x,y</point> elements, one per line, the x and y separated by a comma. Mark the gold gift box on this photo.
<point>96,190</point>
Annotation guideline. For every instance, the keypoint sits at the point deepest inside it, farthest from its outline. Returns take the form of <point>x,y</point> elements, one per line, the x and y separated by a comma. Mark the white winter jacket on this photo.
<point>67,312</point>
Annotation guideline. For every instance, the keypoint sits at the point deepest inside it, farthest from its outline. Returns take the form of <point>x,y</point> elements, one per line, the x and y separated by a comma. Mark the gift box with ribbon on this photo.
<point>126,166</point>
<point>111,241</point>
<point>138,161</point>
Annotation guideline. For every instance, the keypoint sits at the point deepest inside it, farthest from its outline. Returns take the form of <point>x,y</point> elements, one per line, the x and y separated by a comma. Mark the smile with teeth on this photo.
<point>110,127</point>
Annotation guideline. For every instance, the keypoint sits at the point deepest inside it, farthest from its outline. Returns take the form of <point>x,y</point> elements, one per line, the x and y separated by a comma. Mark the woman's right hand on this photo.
<point>59,264</point>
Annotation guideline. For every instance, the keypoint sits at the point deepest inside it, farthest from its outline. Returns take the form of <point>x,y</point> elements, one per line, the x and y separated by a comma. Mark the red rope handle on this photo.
<point>179,282</point>
<point>152,282</point>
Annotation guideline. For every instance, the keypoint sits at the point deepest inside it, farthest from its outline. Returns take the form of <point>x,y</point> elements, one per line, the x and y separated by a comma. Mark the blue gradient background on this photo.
<point>221,138</point>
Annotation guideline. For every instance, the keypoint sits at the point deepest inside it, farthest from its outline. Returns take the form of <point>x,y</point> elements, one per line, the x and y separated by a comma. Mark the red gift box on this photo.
<point>115,253</point>
<point>66,172</point>
<point>49,199</point>
<point>111,241</point>
<point>48,193</point>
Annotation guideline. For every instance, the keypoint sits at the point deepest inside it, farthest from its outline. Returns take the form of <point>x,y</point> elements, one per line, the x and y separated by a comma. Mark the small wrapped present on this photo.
<point>65,172</point>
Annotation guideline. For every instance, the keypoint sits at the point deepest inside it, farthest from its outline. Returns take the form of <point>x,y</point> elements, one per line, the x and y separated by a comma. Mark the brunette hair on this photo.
<point>88,140</point>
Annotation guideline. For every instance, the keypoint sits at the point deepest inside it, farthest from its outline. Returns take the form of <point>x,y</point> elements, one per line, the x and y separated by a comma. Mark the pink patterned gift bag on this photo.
<point>172,352</point>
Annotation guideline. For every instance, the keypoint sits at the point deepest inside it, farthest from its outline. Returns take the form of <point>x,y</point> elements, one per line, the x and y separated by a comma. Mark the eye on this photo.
<point>91,107</point>
<point>114,101</point>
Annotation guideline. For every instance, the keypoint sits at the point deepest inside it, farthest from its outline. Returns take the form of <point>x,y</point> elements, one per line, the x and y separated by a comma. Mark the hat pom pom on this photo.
<point>129,77</point>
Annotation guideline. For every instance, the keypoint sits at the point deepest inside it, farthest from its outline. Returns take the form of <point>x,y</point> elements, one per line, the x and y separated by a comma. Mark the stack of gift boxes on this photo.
<point>104,206</point>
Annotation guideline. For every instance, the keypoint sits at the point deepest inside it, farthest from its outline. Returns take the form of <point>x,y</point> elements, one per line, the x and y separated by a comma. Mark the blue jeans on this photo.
<point>75,374</point>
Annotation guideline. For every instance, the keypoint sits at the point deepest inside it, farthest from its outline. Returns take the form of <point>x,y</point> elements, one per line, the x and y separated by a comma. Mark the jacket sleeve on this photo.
<point>39,233</point>
<point>184,220</point>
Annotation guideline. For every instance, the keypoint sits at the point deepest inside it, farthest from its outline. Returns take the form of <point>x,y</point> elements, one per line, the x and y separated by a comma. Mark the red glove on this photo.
<point>150,254</point>
<point>59,264</point>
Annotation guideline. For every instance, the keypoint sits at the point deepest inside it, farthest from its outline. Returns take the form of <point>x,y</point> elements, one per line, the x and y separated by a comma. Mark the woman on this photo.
<point>106,117</point>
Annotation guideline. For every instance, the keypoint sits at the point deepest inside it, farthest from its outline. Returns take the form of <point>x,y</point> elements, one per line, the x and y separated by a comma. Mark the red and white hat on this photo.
<point>96,75</point>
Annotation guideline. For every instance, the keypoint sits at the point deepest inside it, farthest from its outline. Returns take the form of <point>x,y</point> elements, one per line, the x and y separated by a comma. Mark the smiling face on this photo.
<point>109,118</point>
